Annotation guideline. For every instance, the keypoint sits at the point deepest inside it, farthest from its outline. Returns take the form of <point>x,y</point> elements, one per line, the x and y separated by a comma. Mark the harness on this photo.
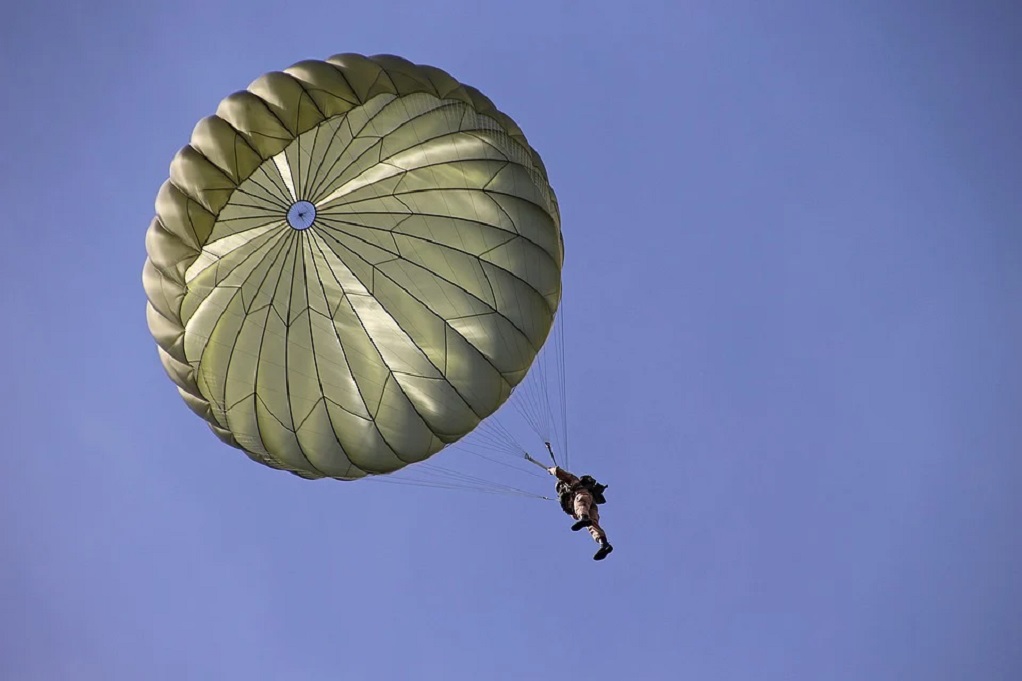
<point>566,492</point>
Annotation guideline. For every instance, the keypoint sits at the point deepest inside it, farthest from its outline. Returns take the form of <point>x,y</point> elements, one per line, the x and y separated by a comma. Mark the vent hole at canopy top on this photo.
<point>301,215</point>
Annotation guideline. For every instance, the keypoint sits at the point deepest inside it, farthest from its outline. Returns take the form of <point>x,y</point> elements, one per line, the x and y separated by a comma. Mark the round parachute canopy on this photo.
<point>352,264</point>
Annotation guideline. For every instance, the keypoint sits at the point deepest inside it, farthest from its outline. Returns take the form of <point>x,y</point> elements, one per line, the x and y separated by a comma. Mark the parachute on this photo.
<point>352,264</point>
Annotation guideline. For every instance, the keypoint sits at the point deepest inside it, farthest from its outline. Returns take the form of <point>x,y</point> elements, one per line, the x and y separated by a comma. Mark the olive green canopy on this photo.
<point>352,264</point>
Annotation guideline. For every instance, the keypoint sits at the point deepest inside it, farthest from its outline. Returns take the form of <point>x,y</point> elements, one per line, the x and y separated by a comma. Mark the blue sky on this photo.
<point>792,289</point>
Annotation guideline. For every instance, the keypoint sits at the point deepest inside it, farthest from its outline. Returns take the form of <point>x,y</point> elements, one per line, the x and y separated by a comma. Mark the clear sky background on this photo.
<point>793,272</point>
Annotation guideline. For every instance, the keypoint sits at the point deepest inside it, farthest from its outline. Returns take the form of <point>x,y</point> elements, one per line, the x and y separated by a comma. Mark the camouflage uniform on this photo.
<point>582,506</point>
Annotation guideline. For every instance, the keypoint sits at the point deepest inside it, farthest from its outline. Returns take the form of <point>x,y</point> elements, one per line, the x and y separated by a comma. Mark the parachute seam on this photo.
<point>304,195</point>
<point>206,188</point>
<point>436,275</point>
<point>270,236</point>
<point>238,204</point>
<point>273,114</point>
<point>355,135</point>
<point>297,240</point>
<point>380,75</point>
<point>446,325</point>
<point>314,86</point>
<point>316,127</point>
<point>317,187</point>
<point>444,104</point>
<point>203,298</point>
<point>358,99</point>
<point>255,382</point>
<point>521,313</point>
<point>314,174</point>
<point>484,192</point>
<point>273,193</point>
<point>191,225</point>
<point>478,258</point>
<point>183,204</point>
<point>373,413</point>
<point>299,133</point>
<point>259,351</point>
<point>319,377</point>
<point>421,353</point>
<point>230,358</point>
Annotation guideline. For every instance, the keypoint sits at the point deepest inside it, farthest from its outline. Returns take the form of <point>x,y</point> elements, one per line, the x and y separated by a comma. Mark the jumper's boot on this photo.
<point>584,521</point>
<point>605,549</point>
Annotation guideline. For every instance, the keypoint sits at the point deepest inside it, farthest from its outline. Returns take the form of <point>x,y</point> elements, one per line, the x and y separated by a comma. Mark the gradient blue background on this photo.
<point>792,285</point>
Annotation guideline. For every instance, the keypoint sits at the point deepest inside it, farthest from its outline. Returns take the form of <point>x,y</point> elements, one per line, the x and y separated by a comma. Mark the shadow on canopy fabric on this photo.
<point>352,264</point>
